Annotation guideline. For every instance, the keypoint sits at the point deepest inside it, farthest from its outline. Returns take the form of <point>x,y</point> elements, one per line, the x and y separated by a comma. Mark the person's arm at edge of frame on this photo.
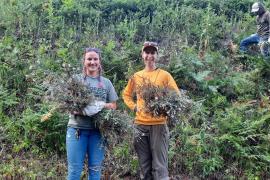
<point>172,84</point>
<point>127,95</point>
<point>268,18</point>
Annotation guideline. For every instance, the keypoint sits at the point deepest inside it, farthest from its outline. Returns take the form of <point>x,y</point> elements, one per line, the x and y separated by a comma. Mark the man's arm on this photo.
<point>128,94</point>
<point>172,84</point>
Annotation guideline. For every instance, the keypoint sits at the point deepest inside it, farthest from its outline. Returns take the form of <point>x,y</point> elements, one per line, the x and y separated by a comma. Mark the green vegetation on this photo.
<point>226,135</point>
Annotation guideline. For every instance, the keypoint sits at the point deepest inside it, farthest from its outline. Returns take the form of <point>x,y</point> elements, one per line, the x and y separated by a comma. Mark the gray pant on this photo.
<point>151,145</point>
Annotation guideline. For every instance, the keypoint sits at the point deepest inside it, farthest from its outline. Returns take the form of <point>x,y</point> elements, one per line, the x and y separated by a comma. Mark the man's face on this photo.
<point>149,56</point>
<point>255,13</point>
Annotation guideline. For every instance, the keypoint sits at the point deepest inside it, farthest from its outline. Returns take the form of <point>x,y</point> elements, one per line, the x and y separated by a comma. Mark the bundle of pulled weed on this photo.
<point>121,161</point>
<point>163,101</point>
<point>116,128</point>
<point>113,125</point>
<point>69,94</point>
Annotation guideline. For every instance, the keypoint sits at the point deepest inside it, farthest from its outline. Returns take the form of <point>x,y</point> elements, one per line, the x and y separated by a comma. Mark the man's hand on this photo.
<point>136,109</point>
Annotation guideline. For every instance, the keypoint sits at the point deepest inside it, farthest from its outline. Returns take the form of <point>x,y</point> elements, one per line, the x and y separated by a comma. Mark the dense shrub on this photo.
<point>225,137</point>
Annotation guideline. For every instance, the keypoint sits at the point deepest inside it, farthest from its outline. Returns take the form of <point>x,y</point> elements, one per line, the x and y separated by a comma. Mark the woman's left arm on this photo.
<point>111,105</point>
<point>111,96</point>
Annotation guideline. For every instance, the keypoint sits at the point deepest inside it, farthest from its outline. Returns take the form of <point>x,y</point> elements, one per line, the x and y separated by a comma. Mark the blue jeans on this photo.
<point>79,143</point>
<point>255,39</point>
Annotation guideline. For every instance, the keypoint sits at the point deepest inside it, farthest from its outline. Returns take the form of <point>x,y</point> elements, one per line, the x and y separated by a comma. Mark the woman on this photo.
<point>82,136</point>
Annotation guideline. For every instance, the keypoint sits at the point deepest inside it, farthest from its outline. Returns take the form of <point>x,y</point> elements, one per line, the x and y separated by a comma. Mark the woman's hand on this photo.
<point>111,105</point>
<point>76,113</point>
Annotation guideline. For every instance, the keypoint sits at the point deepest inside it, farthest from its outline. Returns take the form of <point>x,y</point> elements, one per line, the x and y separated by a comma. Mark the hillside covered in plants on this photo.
<point>226,135</point>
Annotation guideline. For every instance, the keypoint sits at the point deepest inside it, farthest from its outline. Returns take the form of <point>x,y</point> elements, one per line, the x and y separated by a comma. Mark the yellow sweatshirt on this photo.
<point>157,77</point>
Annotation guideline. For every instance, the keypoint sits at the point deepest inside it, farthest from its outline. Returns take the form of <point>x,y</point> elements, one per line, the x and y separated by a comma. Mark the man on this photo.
<point>262,37</point>
<point>151,139</point>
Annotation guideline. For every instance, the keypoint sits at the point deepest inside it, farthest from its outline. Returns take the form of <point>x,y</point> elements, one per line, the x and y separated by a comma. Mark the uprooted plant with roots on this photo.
<point>163,101</point>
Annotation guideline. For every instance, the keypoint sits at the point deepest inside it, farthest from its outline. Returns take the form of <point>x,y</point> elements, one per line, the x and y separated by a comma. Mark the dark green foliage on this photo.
<point>225,136</point>
<point>27,133</point>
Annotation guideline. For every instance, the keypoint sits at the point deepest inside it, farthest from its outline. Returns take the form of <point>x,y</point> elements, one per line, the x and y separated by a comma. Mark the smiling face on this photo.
<point>149,56</point>
<point>91,63</point>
